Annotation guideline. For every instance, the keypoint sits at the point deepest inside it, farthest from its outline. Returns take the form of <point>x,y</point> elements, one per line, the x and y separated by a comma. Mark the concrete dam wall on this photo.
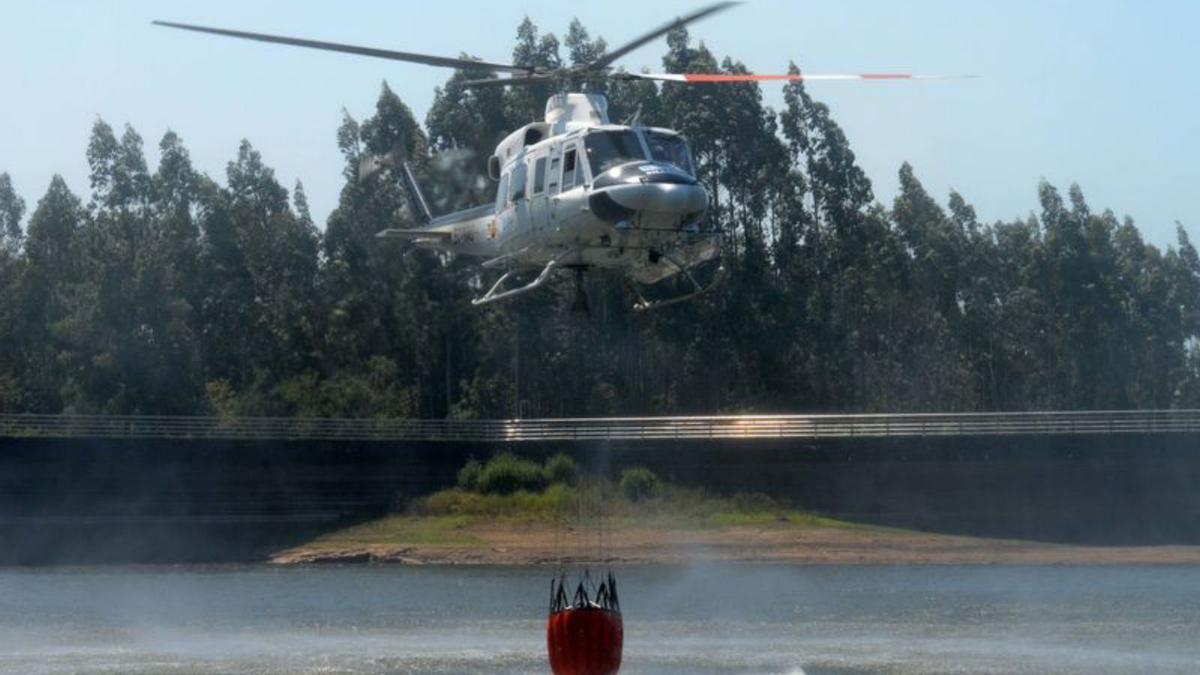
<point>125,499</point>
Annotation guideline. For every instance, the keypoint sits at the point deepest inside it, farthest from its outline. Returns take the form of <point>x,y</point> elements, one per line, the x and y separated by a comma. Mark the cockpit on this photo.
<point>671,149</point>
<point>606,149</point>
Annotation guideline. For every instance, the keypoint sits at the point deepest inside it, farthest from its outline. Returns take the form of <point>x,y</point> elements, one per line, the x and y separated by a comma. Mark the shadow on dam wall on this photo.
<point>143,500</point>
<point>1094,490</point>
<point>79,501</point>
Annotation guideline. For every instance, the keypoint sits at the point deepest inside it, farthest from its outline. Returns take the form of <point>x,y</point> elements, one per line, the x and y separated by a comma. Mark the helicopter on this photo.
<point>574,191</point>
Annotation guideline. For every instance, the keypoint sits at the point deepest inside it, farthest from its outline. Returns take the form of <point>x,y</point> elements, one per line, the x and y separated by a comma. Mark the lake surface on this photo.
<point>705,619</point>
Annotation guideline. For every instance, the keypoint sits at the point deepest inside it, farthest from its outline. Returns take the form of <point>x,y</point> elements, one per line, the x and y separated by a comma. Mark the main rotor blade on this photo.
<point>505,81</point>
<point>426,59</point>
<point>610,57</point>
<point>698,78</point>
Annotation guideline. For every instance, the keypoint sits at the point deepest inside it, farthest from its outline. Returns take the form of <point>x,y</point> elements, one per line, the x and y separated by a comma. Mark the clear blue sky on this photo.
<point>1103,93</point>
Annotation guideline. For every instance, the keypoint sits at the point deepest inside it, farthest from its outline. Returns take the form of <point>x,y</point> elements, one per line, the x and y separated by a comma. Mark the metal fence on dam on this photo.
<point>716,427</point>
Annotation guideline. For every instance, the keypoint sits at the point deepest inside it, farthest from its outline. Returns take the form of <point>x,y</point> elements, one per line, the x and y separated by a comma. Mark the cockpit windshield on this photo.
<point>606,149</point>
<point>671,149</point>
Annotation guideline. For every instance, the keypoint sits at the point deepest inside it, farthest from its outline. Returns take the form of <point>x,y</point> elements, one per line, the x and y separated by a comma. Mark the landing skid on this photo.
<point>581,304</point>
<point>492,295</point>
<point>643,304</point>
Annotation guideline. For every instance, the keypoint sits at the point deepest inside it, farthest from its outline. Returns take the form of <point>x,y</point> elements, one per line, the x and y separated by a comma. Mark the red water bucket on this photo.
<point>585,641</point>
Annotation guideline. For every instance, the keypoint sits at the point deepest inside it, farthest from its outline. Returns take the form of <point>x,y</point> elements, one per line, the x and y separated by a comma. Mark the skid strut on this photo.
<point>492,295</point>
<point>643,304</point>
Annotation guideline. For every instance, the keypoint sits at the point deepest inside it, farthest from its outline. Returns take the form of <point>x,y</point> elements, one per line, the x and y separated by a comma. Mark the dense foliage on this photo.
<point>506,473</point>
<point>169,292</point>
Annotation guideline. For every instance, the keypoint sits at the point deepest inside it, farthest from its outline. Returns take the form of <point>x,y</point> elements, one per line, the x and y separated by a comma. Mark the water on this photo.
<point>708,619</point>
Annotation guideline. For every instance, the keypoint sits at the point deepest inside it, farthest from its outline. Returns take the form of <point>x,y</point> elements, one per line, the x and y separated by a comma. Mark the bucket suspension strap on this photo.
<point>615,602</point>
<point>581,597</point>
<point>605,596</point>
<point>558,595</point>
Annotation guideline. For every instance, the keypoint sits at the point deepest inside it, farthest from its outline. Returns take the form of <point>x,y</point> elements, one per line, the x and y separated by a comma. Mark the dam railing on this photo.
<point>797,426</point>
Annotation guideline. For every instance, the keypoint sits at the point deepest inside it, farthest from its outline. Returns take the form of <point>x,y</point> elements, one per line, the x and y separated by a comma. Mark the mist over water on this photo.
<point>707,619</point>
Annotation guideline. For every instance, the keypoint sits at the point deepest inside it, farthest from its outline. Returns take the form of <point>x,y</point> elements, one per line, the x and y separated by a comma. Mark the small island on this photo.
<point>514,511</point>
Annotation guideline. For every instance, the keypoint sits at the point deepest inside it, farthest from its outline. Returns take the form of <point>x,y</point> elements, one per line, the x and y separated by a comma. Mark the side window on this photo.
<point>539,175</point>
<point>516,183</point>
<point>552,176</point>
<point>568,171</point>
<point>502,194</point>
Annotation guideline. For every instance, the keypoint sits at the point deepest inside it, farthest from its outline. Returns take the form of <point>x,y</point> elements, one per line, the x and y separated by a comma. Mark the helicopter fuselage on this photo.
<point>592,195</point>
<point>596,198</point>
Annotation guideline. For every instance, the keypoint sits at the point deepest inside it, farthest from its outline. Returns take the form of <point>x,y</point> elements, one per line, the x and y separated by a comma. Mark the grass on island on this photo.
<point>670,506</point>
<point>509,491</point>
<point>398,530</point>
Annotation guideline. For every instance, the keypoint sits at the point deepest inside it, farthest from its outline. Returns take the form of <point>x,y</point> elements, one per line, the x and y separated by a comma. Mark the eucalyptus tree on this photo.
<point>464,126</point>
<point>12,208</point>
<point>383,302</point>
<point>533,50</point>
<point>280,253</point>
<point>581,48</point>
<point>51,270</point>
<point>130,337</point>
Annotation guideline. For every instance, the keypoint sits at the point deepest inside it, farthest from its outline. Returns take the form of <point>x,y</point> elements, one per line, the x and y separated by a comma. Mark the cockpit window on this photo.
<point>606,149</point>
<point>670,148</point>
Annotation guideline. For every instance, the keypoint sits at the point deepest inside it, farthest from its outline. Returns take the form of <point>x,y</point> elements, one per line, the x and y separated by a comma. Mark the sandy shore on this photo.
<point>516,544</point>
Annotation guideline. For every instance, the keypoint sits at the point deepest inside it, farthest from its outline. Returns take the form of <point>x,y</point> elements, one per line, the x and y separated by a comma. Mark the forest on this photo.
<point>168,291</point>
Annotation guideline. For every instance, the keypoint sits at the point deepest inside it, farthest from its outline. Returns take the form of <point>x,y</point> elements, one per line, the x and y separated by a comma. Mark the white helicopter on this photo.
<point>576,191</point>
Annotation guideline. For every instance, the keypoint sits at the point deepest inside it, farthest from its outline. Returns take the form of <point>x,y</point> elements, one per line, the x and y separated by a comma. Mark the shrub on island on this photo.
<point>507,473</point>
<point>638,483</point>
<point>562,469</point>
<point>468,475</point>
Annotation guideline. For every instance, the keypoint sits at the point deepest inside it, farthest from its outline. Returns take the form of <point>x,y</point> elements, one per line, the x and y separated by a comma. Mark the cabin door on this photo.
<point>539,197</point>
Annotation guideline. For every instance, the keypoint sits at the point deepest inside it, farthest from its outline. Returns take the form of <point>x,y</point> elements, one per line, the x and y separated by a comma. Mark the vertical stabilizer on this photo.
<point>369,165</point>
<point>414,192</point>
